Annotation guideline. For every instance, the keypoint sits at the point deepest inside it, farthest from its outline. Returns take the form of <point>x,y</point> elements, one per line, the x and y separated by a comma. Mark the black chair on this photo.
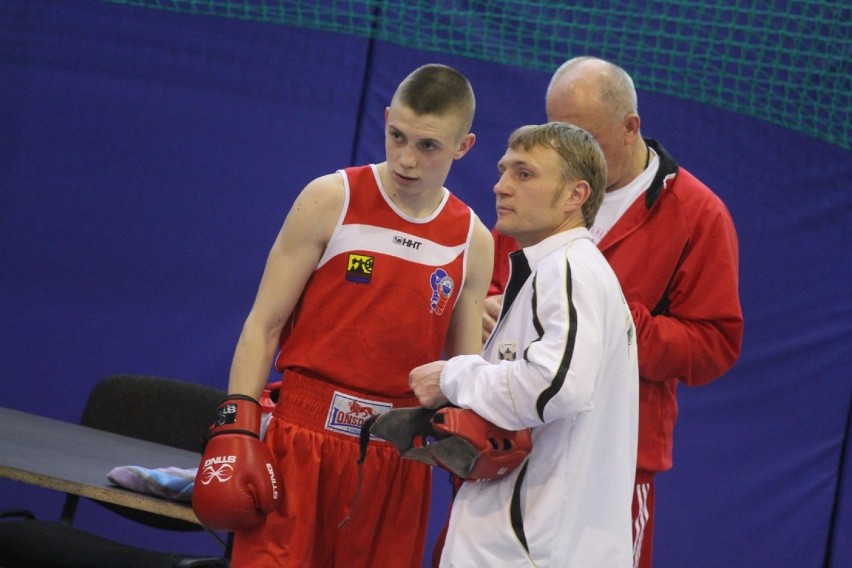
<point>122,404</point>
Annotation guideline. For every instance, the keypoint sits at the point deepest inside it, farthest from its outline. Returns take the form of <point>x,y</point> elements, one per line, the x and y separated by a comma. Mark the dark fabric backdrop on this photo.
<point>148,158</point>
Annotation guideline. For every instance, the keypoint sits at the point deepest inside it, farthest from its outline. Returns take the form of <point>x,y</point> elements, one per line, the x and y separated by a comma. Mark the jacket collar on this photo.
<point>636,214</point>
<point>524,262</point>
<point>538,251</point>
<point>668,167</point>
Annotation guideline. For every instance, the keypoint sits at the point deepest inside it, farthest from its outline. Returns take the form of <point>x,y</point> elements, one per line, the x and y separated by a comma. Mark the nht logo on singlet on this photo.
<point>406,242</point>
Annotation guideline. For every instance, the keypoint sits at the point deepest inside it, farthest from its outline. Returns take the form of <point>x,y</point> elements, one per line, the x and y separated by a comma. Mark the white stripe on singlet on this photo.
<point>640,521</point>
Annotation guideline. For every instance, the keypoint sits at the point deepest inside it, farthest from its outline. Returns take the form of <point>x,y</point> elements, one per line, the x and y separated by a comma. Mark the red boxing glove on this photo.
<point>237,482</point>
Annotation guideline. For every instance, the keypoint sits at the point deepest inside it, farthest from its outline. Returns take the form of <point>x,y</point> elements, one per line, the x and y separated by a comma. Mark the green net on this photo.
<point>783,61</point>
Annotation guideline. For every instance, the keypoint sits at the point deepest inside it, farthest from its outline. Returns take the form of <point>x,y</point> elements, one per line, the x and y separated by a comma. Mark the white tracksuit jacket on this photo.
<point>562,361</point>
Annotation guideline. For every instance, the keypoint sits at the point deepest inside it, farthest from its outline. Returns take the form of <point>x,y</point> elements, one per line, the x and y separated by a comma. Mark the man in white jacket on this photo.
<point>561,361</point>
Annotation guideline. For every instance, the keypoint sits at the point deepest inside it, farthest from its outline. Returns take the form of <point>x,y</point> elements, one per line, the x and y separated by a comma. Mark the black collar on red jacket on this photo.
<point>668,167</point>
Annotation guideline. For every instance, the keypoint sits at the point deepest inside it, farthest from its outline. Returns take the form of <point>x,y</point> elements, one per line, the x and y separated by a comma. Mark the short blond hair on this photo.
<point>581,155</point>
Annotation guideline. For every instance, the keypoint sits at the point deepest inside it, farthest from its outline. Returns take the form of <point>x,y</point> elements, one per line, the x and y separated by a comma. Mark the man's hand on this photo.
<point>489,315</point>
<point>425,381</point>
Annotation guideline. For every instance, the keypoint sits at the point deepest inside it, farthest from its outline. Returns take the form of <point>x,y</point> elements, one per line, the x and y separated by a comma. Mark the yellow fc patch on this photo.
<point>359,268</point>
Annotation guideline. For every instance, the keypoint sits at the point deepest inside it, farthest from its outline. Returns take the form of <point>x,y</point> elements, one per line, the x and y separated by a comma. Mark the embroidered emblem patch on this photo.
<point>442,289</point>
<point>347,413</point>
<point>507,351</point>
<point>359,268</point>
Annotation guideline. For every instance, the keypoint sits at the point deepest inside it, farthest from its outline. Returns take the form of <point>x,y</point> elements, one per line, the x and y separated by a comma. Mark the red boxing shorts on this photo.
<point>313,435</point>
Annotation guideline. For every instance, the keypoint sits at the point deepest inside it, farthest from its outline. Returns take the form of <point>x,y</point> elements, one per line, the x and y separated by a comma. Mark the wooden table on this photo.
<point>75,459</point>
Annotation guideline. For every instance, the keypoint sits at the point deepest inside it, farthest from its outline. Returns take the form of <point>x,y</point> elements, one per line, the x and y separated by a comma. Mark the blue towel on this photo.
<point>173,483</point>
